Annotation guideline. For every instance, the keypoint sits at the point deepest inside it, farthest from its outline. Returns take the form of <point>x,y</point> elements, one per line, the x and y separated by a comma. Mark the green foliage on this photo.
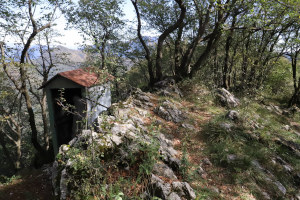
<point>4,180</point>
<point>148,155</point>
<point>93,172</point>
<point>236,146</point>
<point>184,168</point>
<point>137,76</point>
<point>87,172</point>
<point>279,83</point>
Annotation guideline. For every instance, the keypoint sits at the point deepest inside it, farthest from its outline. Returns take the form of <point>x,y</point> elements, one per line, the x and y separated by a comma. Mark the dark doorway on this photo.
<point>63,120</point>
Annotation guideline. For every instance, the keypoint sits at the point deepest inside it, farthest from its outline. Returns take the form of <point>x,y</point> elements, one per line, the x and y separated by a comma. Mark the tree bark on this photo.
<point>147,51</point>
<point>227,48</point>
<point>23,79</point>
<point>164,35</point>
<point>187,57</point>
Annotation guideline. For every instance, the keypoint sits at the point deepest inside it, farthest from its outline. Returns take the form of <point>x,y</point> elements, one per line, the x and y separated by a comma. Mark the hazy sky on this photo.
<point>72,38</point>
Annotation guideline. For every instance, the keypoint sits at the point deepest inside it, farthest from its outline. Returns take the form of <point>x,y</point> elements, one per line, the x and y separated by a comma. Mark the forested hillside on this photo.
<point>206,99</point>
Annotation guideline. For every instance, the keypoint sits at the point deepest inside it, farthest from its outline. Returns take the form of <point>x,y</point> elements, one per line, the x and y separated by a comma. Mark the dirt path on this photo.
<point>32,185</point>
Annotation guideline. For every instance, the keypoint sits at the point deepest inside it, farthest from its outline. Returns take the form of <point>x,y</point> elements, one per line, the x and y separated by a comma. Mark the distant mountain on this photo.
<point>74,55</point>
<point>64,58</point>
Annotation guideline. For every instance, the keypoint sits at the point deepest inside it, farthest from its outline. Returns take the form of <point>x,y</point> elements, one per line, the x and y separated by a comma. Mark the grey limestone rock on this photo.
<point>188,126</point>
<point>162,169</point>
<point>63,185</point>
<point>178,188</point>
<point>232,115</point>
<point>206,161</point>
<point>159,188</point>
<point>170,112</point>
<point>226,98</point>
<point>188,190</point>
<point>231,158</point>
<point>173,196</point>
<point>226,126</point>
<point>269,178</point>
<point>266,196</point>
<point>174,163</point>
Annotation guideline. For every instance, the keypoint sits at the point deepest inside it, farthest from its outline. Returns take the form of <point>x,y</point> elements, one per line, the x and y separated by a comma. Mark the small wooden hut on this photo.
<point>75,100</point>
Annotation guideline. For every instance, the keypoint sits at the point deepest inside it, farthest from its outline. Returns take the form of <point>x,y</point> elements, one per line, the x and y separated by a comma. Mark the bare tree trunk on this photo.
<point>23,79</point>
<point>19,154</point>
<point>45,122</point>
<point>227,48</point>
<point>245,62</point>
<point>177,49</point>
<point>296,96</point>
<point>148,54</point>
<point>294,69</point>
<point>216,67</point>
<point>209,47</point>
<point>164,35</point>
<point>213,38</point>
<point>103,55</point>
<point>183,70</point>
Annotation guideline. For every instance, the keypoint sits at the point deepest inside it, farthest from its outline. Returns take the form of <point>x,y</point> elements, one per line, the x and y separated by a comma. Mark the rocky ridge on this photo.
<point>129,141</point>
<point>122,135</point>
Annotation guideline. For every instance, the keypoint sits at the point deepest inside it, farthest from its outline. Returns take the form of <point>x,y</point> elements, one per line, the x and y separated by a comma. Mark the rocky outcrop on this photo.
<point>268,178</point>
<point>170,112</point>
<point>176,190</point>
<point>168,87</point>
<point>226,98</point>
<point>120,139</point>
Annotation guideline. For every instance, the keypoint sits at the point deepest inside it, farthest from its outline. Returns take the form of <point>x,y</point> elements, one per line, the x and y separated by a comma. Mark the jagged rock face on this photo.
<point>177,190</point>
<point>168,111</point>
<point>226,98</point>
<point>168,88</point>
<point>121,136</point>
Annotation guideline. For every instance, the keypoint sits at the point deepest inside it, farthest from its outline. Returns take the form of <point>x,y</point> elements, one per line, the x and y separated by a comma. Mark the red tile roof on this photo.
<point>84,77</point>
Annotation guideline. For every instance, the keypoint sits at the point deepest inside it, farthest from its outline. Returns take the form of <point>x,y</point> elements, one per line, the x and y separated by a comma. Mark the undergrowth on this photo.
<point>97,176</point>
<point>235,145</point>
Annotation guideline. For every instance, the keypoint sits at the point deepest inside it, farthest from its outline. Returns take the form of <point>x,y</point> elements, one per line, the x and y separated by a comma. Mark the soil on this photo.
<point>32,185</point>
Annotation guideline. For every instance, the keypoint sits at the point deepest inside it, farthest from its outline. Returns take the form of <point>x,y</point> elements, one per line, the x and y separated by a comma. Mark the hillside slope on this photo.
<point>161,143</point>
<point>183,145</point>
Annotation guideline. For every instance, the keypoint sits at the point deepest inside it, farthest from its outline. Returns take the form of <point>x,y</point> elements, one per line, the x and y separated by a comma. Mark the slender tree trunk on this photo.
<point>183,71</point>
<point>216,67</point>
<point>227,48</point>
<point>177,50</point>
<point>296,96</point>
<point>45,121</point>
<point>19,154</point>
<point>245,62</point>
<point>148,54</point>
<point>231,67</point>
<point>213,39</point>
<point>164,35</point>
<point>23,79</point>
<point>209,47</point>
<point>294,69</point>
<point>103,55</point>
